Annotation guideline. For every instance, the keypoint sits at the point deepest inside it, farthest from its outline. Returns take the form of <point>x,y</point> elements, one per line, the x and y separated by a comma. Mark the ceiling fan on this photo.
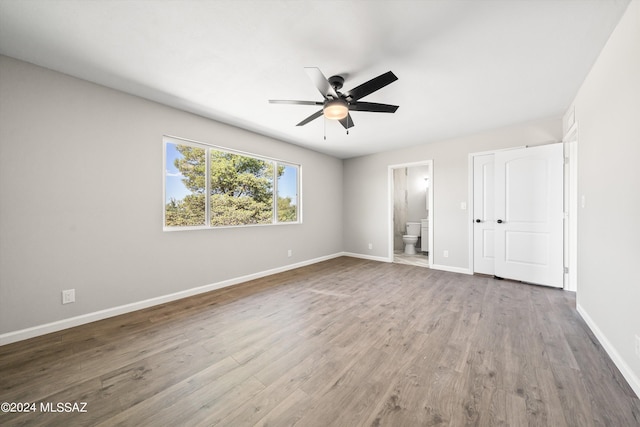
<point>336,104</point>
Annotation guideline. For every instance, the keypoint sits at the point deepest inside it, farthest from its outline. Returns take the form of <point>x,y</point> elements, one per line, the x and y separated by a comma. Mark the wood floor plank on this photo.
<point>168,396</point>
<point>346,342</point>
<point>277,393</point>
<point>288,412</point>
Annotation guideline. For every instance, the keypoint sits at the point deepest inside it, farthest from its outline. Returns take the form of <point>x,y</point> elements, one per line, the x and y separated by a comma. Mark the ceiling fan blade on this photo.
<point>373,107</point>
<point>321,82</point>
<point>286,101</point>
<point>310,118</point>
<point>369,87</point>
<point>347,122</point>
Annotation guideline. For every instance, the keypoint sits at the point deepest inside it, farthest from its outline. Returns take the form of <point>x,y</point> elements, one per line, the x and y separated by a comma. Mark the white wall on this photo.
<point>608,119</point>
<point>366,190</point>
<point>81,202</point>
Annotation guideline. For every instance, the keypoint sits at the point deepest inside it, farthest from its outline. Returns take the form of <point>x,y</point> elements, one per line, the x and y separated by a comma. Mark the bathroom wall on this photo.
<point>417,192</point>
<point>400,207</point>
<point>409,200</point>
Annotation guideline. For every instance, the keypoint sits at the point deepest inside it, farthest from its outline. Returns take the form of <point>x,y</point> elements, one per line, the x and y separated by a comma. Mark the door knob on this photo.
<point>477,220</point>
<point>499,221</point>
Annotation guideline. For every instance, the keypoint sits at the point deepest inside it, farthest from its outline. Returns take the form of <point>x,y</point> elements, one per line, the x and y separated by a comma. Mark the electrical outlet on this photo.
<point>68,296</point>
<point>370,245</point>
<point>637,345</point>
<point>446,254</point>
<point>289,253</point>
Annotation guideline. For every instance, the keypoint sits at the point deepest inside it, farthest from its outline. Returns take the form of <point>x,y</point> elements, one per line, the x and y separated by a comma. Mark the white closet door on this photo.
<point>529,215</point>
<point>483,214</point>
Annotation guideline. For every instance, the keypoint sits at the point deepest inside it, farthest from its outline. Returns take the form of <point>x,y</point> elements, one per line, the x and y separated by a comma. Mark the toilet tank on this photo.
<point>413,228</point>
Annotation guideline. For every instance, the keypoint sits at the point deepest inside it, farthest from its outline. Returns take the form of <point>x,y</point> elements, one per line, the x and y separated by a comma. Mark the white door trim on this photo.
<point>570,141</point>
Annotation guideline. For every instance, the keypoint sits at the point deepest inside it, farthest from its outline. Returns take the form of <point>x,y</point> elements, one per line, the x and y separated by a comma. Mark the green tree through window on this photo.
<point>240,188</point>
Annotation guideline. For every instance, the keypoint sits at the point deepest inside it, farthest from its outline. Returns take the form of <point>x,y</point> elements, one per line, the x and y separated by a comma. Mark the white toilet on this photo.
<point>411,238</point>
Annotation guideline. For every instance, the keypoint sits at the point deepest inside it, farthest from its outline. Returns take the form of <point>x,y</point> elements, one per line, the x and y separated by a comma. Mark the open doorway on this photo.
<point>411,205</point>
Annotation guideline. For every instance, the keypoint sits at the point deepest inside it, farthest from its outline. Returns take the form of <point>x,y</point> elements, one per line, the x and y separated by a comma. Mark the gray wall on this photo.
<point>81,201</point>
<point>608,119</point>
<point>366,190</point>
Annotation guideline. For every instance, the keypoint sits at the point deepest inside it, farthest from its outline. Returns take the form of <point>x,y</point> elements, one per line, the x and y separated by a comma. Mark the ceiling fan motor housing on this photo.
<point>336,82</point>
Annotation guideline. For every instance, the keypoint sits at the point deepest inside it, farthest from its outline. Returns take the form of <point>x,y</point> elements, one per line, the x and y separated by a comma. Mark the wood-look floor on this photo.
<point>346,342</point>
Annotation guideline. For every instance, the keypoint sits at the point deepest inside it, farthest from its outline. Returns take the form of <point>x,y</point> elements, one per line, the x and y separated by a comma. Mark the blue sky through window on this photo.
<point>287,183</point>
<point>174,187</point>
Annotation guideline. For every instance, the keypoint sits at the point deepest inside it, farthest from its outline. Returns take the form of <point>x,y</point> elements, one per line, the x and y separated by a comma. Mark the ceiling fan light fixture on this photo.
<point>336,109</point>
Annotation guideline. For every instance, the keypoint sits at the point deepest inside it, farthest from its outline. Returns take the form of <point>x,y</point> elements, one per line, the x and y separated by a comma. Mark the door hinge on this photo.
<point>566,160</point>
<point>566,270</point>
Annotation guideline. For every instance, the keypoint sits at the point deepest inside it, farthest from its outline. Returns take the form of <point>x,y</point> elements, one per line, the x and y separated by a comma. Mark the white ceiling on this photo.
<point>463,66</point>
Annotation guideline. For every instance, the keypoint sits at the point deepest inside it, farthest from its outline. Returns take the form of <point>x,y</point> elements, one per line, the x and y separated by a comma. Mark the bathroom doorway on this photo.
<point>411,201</point>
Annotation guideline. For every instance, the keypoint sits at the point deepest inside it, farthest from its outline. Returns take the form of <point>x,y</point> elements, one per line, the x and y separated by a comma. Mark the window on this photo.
<point>206,186</point>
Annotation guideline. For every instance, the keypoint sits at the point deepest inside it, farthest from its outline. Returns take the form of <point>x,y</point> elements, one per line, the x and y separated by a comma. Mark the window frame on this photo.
<point>175,140</point>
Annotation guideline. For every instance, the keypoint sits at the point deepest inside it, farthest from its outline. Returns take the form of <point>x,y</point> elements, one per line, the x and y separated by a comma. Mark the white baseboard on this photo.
<point>451,269</point>
<point>626,371</point>
<point>23,334</point>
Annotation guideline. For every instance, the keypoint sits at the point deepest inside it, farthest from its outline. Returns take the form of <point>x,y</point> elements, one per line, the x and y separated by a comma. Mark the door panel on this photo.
<point>483,207</point>
<point>529,215</point>
<point>526,248</point>
<point>526,181</point>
